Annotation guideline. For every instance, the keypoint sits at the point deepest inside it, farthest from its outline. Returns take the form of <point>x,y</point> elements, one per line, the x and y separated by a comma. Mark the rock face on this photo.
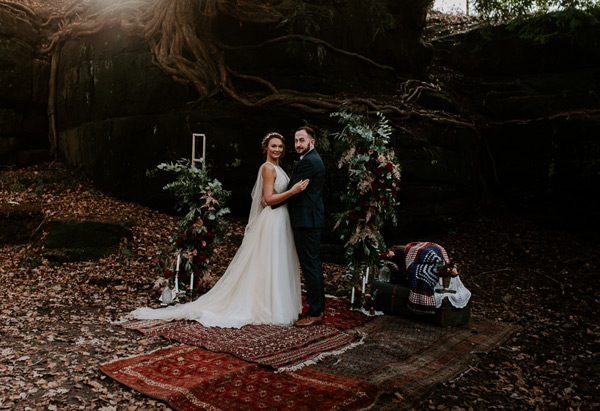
<point>118,115</point>
<point>534,139</point>
<point>23,93</point>
<point>540,101</point>
<point>19,222</point>
<point>69,241</point>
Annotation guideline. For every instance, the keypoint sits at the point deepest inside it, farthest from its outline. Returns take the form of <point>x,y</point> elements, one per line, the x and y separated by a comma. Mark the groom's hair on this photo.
<point>309,131</point>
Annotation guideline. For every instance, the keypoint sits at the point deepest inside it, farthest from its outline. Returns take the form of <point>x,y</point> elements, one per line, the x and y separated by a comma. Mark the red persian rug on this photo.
<point>407,357</point>
<point>191,378</point>
<point>280,347</point>
<point>339,315</point>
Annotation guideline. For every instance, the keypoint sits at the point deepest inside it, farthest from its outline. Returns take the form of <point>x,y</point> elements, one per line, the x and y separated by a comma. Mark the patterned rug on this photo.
<point>191,378</point>
<point>407,357</point>
<point>397,356</point>
<point>280,347</point>
<point>339,315</point>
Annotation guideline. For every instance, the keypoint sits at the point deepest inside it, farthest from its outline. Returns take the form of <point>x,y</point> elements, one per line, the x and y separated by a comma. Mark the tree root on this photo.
<point>179,34</point>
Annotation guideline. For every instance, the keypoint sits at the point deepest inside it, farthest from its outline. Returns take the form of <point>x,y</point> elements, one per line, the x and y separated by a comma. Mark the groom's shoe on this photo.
<point>308,321</point>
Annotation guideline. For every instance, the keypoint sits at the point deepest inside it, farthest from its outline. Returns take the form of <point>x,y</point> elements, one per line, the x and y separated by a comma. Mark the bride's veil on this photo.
<point>257,193</point>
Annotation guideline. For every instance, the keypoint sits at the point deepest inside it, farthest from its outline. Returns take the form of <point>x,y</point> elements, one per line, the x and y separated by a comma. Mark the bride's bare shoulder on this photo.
<point>268,169</point>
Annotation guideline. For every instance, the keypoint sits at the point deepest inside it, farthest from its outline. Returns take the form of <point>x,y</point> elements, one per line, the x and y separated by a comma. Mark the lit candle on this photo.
<point>352,298</point>
<point>177,275</point>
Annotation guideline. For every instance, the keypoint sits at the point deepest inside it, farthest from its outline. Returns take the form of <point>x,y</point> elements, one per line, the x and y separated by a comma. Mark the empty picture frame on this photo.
<point>197,155</point>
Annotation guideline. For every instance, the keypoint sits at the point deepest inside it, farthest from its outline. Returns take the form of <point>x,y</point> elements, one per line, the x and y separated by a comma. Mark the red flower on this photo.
<point>202,258</point>
<point>210,235</point>
<point>168,273</point>
<point>383,255</point>
<point>389,166</point>
<point>361,150</point>
<point>179,242</point>
<point>199,237</point>
<point>378,170</point>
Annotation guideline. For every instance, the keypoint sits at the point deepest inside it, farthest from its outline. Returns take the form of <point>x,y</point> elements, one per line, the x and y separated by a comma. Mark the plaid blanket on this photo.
<point>424,261</point>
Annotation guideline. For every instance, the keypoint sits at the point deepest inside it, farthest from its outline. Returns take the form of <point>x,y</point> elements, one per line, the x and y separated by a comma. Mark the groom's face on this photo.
<point>303,142</point>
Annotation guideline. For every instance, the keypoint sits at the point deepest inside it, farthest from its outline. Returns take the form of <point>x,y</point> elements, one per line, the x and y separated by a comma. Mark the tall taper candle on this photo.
<point>177,275</point>
<point>352,298</point>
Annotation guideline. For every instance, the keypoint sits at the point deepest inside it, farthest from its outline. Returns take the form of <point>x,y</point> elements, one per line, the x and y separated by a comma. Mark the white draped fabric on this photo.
<point>458,299</point>
<point>261,284</point>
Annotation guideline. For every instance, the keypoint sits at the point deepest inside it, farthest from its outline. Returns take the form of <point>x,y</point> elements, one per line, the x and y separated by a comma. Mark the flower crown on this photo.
<point>272,134</point>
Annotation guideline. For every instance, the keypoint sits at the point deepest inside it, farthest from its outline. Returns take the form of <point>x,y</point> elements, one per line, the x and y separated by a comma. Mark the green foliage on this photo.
<point>543,27</point>
<point>506,10</point>
<point>538,19</point>
<point>371,192</point>
<point>380,19</point>
<point>202,199</point>
<point>303,17</point>
<point>197,194</point>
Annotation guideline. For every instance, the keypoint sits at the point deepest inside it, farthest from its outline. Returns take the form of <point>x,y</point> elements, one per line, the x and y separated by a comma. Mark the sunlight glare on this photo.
<point>451,6</point>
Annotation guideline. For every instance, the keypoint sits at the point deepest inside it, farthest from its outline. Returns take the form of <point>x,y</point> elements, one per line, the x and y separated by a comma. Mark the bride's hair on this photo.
<point>269,136</point>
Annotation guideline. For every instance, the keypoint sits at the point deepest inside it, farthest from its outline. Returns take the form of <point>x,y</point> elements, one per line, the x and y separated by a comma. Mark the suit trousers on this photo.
<point>308,242</point>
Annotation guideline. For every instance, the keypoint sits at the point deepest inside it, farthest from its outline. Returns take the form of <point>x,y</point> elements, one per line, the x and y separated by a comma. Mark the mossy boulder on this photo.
<point>68,241</point>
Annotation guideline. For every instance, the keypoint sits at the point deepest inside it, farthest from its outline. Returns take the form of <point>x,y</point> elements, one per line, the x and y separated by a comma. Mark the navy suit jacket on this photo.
<point>306,208</point>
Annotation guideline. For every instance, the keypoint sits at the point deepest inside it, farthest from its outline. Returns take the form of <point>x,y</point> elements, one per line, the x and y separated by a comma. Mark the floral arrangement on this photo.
<point>192,247</point>
<point>371,191</point>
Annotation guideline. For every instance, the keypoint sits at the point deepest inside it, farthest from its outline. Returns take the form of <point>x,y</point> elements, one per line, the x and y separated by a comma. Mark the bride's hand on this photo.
<point>300,186</point>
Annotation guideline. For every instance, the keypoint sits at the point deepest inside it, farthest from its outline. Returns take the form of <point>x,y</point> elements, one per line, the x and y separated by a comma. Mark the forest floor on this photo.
<point>56,319</point>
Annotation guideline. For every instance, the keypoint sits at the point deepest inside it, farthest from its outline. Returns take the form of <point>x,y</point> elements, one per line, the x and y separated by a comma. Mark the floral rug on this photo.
<point>191,378</point>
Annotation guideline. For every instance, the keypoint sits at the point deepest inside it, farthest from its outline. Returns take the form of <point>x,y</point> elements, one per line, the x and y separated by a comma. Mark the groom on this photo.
<point>307,217</point>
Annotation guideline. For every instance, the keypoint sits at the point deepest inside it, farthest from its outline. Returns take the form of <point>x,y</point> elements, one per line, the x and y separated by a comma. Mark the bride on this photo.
<point>262,283</point>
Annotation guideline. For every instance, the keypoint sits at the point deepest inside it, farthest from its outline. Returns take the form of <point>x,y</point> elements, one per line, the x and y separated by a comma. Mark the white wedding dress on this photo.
<point>261,284</point>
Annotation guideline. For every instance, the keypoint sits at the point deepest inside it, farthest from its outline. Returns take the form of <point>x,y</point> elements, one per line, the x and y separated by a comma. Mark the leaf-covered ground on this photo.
<point>55,320</point>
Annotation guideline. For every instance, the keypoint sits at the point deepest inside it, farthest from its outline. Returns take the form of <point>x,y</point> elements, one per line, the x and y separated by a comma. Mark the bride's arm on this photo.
<point>271,197</point>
